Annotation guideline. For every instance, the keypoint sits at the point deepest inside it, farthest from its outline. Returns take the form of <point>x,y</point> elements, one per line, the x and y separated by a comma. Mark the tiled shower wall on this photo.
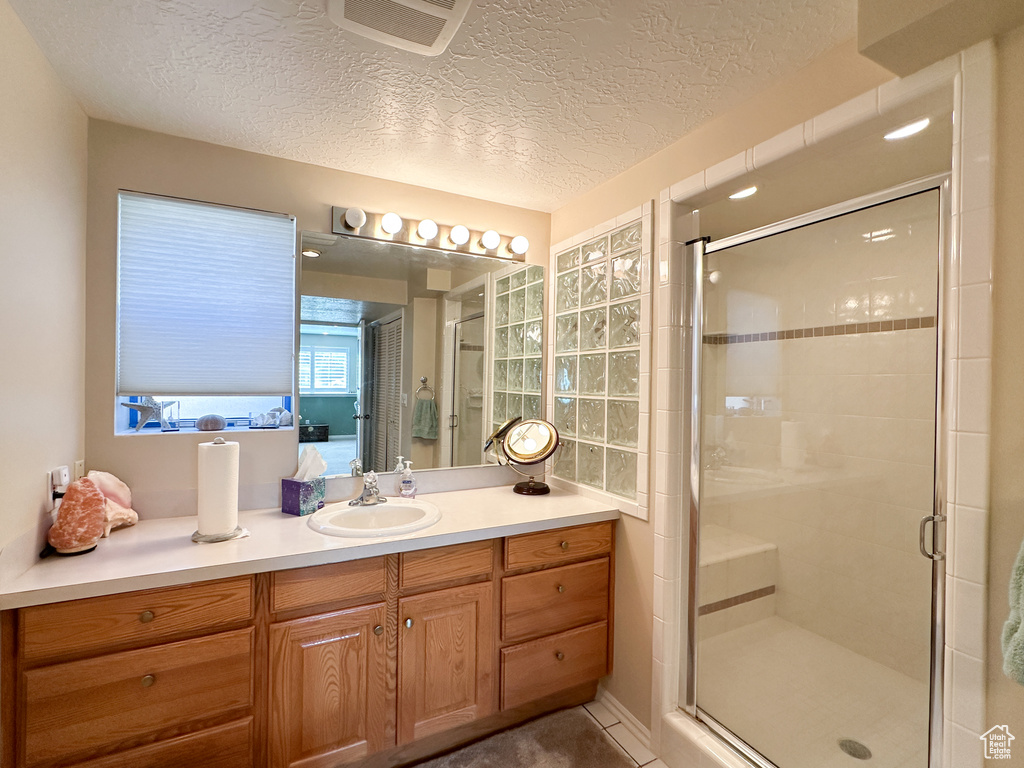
<point>819,370</point>
<point>967,362</point>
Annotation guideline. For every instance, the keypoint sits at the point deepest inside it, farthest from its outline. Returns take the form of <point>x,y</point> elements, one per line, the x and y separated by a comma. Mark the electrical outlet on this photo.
<point>60,476</point>
<point>79,469</point>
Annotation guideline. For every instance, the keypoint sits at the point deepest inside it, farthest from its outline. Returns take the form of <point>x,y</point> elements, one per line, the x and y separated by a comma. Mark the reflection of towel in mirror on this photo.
<point>424,419</point>
<point>1013,630</point>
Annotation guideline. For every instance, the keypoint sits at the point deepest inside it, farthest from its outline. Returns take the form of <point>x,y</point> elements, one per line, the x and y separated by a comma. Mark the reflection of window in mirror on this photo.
<point>328,359</point>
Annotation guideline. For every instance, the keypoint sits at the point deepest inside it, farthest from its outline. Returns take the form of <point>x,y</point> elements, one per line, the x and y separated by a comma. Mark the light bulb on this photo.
<point>490,240</point>
<point>519,245</point>
<point>355,217</point>
<point>391,223</point>
<point>459,235</point>
<point>427,229</point>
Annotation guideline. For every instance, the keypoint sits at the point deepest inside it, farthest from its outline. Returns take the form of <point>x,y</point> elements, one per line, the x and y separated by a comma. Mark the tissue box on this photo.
<point>302,497</point>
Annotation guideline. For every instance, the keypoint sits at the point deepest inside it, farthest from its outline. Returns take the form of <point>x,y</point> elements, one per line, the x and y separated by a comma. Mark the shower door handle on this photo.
<point>922,542</point>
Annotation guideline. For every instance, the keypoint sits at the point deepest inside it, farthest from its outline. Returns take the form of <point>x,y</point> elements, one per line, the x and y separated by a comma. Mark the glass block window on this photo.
<point>517,365</point>
<point>601,291</point>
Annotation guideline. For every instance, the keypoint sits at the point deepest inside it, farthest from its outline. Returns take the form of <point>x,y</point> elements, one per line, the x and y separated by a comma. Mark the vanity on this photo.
<point>290,648</point>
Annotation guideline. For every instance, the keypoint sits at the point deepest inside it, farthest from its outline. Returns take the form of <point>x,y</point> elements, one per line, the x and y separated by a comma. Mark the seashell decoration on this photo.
<point>211,422</point>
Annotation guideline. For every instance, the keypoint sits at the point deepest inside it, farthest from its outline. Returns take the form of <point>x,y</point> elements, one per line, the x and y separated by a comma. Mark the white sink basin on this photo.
<point>392,518</point>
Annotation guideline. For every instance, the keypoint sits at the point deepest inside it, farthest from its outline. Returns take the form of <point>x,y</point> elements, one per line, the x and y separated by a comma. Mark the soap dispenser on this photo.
<point>408,485</point>
<point>398,467</point>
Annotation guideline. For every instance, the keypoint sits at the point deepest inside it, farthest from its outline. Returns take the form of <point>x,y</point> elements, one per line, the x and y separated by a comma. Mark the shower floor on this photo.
<point>792,695</point>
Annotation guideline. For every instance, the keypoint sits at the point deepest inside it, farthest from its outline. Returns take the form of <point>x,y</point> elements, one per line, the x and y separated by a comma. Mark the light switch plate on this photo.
<point>79,469</point>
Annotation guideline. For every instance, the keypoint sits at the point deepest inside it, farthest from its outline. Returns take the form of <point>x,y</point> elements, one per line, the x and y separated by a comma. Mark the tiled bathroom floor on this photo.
<point>793,695</point>
<point>620,735</point>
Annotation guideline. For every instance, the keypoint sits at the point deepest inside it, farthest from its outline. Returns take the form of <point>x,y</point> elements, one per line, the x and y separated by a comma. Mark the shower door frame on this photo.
<point>699,248</point>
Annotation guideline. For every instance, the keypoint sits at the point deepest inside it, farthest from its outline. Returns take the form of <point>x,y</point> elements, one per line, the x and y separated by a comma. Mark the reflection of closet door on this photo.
<point>387,394</point>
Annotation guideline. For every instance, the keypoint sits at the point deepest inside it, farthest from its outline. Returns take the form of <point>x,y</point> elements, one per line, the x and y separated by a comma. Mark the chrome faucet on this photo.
<point>370,495</point>
<point>717,457</point>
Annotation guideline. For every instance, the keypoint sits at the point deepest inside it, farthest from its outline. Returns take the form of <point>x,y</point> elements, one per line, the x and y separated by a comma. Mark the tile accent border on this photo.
<point>843,329</point>
<point>732,602</point>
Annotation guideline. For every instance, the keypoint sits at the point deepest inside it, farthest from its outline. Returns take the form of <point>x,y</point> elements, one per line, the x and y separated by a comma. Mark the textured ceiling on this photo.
<point>533,103</point>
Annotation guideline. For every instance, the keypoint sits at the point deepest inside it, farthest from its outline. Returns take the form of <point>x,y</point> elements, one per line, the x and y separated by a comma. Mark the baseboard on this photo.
<point>634,726</point>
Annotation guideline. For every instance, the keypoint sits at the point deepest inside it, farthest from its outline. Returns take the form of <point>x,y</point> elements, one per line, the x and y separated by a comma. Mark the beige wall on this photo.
<point>1006,522</point>
<point>827,82</point>
<point>161,469</point>
<point>42,247</point>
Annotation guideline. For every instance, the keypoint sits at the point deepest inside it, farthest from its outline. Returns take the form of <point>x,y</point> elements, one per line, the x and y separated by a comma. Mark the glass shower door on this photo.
<point>813,605</point>
<point>468,392</point>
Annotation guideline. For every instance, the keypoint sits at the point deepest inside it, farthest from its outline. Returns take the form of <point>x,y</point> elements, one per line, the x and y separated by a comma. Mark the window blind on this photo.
<point>205,299</point>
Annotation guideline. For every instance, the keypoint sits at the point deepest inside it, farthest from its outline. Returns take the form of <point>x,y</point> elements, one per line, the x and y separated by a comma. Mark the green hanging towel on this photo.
<point>1013,630</point>
<point>424,419</point>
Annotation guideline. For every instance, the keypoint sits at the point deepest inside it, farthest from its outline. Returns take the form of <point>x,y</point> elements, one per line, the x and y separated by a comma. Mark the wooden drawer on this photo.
<point>226,746</point>
<point>443,564</point>
<point>322,584</point>
<point>530,671</point>
<point>558,546</point>
<point>542,602</point>
<point>84,707</point>
<point>102,624</point>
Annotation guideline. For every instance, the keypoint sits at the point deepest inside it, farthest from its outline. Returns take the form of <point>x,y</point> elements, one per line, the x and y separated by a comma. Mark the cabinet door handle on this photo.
<point>408,623</point>
<point>148,680</point>
<point>565,546</point>
<point>146,616</point>
<point>378,630</point>
<point>559,655</point>
<point>561,588</point>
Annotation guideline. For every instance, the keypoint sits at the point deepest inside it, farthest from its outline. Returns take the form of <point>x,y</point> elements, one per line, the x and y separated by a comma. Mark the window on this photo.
<point>327,359</point>
<point>205,306</point>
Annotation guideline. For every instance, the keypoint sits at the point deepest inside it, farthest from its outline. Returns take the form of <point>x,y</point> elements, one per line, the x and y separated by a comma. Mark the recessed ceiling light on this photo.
<point>310,253</point>
<point>908,130</point>
<point>743,193</point>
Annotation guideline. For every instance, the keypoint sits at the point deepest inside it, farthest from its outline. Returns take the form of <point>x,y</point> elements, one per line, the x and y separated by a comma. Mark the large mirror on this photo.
<point>413,352</point>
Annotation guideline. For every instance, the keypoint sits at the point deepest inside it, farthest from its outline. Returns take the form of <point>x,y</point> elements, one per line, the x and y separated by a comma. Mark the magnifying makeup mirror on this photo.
<point>526,442</point>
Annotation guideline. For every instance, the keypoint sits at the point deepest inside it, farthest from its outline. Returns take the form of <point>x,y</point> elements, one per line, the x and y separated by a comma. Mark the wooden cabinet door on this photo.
<point>446,660</point>
<point>328,688</point>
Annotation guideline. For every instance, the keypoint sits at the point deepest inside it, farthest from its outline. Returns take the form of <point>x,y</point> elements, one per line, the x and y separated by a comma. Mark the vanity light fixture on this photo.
<point>490,240</point>
<point>355,217</point>
<point>427,229</point>
<point>908,130</point>
<point>391,223</point>
<point>455,239</point>
<point>311,253</point>
<point>519,245</point>
<point>743,193</point>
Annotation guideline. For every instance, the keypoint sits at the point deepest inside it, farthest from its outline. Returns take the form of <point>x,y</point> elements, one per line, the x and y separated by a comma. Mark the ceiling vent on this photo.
<point>421,26</point>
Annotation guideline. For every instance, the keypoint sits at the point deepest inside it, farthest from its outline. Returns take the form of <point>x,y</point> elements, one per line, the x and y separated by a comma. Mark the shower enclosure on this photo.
<point>816,529</point>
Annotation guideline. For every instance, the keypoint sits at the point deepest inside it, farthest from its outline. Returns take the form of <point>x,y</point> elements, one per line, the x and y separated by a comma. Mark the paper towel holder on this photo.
<point>211,538</point>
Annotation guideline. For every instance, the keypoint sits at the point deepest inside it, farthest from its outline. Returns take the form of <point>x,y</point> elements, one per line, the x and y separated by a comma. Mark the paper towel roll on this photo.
<point>218,487</point>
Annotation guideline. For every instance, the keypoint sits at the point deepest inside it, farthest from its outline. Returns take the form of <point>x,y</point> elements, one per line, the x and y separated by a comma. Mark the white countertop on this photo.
<point>160,552</point>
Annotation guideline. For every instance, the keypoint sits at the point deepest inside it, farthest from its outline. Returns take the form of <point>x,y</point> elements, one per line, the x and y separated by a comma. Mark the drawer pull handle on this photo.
<point>408,623</point>
<point>565,546</point>
<point>378,630</point>
<point>561,588</point>
<point>148,680</point>
<point>559,655</point>
<point>146,616</point>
